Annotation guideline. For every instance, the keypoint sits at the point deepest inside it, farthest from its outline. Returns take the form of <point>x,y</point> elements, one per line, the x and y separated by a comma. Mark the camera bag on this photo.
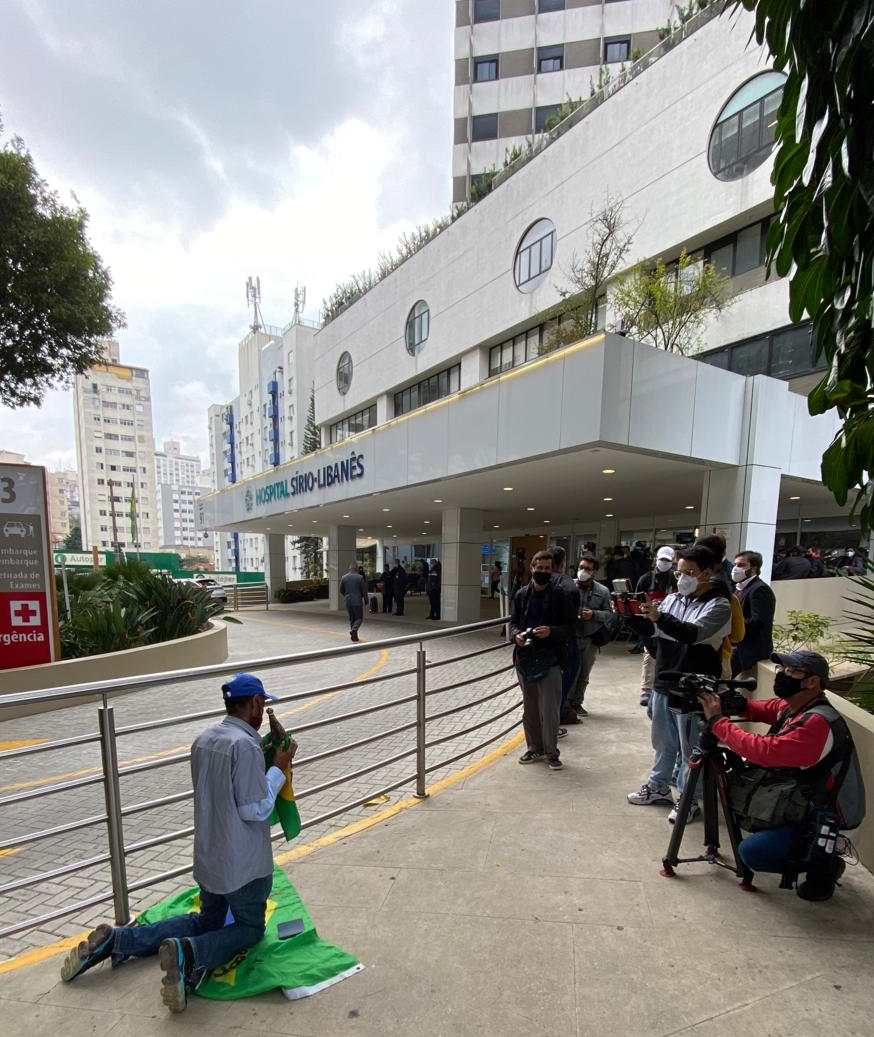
<point>762,797</point>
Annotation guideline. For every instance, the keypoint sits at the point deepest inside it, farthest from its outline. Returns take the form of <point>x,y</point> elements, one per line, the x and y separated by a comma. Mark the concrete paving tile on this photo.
<point>335,885</point>
<point>161,1025</point>
<point>496,893</point>
<point>38,1020</point>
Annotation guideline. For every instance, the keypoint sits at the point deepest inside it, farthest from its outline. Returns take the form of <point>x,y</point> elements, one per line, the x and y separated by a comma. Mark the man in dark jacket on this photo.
<point>542,609</point>
<point>571,663</point>
<point>353,587</point>
<point>758,603</point>
<point>387,596</point>
<point>434,589</point>
<point>399,586</point>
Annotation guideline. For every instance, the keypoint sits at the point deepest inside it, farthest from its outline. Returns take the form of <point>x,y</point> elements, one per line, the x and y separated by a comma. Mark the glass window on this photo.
<point>792,352</point>
<point>494,360</point>
<point>743,135</point>
<point>617,49</point>
<point>418,327</point>
<point>344,373</point>
<point>484,127</point>
<point>545,116</point>
<point>722,258</point>
<point>719,359</point>
<point>550,59</point>
<point>550,5</point>
<point>532,344</point>
<point>534,256</point>
<point>748,251</point>
<point>486,10</point>
<point>750,357</point>
<point>436,386</point>
<point>485,69</point>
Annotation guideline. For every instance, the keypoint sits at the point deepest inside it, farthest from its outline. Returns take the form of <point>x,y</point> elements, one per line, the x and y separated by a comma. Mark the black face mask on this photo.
<point>541,579</point>
<point>785,686</point>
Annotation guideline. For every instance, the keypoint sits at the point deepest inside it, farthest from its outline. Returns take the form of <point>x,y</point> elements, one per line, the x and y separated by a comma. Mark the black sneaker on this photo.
<point>820,884</point>
<point>531,757</point>
<point>96,947</point>
<point>562,732</point>
<point>554,763</point>
<point>177,963</point>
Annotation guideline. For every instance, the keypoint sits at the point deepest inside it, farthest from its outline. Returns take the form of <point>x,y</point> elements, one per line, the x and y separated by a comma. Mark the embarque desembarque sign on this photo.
<point>27,618</point>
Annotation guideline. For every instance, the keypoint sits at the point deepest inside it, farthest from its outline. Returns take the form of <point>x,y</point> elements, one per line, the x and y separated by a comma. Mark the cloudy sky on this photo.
<point>210,140</point>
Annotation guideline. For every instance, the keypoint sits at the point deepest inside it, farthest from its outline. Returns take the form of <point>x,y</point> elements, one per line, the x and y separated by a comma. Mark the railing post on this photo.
<point>420,723</point>
<point>112,793</point>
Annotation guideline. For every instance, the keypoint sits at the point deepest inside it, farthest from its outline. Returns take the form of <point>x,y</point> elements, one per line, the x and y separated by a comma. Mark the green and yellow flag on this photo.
<point>285,811</point>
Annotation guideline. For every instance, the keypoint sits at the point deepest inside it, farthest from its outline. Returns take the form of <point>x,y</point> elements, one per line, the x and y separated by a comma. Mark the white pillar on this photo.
<point>462,557</point>
<point>274,563</point>
<point>341,554</point>
<point>741,504</point>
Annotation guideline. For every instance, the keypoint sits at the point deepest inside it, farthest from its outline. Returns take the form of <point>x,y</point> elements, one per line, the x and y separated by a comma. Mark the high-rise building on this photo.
<point>178,482</point>
<point>263,427</point>
<point>62,489</point>
<point>116,455</point>
<point>518,61</point>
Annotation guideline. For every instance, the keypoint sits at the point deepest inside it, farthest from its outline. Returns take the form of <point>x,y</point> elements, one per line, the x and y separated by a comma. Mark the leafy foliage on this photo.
<point>102,622</point>
<point>823,236</point>
<point>857,644</point>
<point>312,438</point>
<point>310,548</point>
<point>73,540</point>
<point>54,289</point>
<point>669,306</point>
<point>803,630</point>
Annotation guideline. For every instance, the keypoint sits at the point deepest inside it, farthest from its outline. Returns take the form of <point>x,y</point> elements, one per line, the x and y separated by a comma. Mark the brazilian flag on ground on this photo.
<point>300,966</point>
<point>285,811</point>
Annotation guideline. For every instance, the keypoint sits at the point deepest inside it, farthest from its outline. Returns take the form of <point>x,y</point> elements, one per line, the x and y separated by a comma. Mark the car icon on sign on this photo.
<point>14,529</point>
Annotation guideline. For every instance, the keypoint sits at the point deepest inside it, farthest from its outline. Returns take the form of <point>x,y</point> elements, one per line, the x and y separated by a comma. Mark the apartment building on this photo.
<point>178,482</point>
<point>62,489</point>
<point>518,61</point>
<point>116,455</point>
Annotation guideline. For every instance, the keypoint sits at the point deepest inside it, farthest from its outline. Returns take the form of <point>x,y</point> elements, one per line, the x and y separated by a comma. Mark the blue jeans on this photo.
<point>768,850</point>
<point>212,941</point>
<point>570,671</point>
<point>671,734</point>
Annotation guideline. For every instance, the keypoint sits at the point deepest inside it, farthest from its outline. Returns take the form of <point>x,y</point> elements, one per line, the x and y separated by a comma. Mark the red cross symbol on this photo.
<point>24,614</point>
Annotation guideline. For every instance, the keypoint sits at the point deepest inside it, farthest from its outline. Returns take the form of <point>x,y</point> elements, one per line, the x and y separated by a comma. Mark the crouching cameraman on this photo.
<point>802,783</point>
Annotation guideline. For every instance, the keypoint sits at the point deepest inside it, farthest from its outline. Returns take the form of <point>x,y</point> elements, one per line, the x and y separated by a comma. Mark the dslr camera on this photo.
<point>528,636</point>
<point>684,691</point>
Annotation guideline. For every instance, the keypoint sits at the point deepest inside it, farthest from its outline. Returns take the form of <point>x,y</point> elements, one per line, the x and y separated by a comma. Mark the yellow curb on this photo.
<point>42,953</point>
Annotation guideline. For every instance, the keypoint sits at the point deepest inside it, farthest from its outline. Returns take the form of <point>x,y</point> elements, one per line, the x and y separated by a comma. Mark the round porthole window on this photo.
<point>418,326</point>
<point>743,135</point>
<point>344,373</point>
<point>534,256</point>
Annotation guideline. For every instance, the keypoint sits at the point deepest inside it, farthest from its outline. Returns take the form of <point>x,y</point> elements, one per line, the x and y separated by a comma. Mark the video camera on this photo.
<point>528,635</point>
<point>684,691</point>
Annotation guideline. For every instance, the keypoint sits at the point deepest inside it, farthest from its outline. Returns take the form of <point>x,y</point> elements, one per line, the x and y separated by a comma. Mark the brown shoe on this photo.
<point>582,712</point>
<point>569,716</point>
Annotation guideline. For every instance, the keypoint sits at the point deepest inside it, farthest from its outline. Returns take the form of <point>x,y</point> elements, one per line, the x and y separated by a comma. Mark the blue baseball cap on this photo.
<point>244,686</point>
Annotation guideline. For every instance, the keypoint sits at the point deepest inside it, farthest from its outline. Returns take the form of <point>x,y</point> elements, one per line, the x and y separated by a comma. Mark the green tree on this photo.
<point>312,437</point>
<point>588,275</point>
<point>668,306</point>
<point>73,540</point>
<point>310,548</point>
<point>54,289</point>
<point>823,235</point>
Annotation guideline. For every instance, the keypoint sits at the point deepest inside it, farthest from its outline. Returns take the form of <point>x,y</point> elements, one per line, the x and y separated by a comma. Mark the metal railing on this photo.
<point>248,595</point>
<point>460,696</point>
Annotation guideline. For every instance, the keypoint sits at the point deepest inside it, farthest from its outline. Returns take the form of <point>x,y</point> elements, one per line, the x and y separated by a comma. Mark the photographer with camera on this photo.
<point>542,624</point>
<point>591,629</point>
<point>685,632</point>
<point>802,783</point>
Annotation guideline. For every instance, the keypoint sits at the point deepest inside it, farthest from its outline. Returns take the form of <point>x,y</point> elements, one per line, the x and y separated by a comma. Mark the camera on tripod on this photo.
<point>684,691</point>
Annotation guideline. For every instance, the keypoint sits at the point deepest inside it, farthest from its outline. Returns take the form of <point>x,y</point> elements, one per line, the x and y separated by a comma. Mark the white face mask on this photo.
<point>663,564</point>
<point>583,575</point>
<point>738,574</point>
<point>687,584</point>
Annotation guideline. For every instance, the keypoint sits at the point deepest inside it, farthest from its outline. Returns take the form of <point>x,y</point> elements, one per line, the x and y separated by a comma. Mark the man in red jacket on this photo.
<point>806,735</point>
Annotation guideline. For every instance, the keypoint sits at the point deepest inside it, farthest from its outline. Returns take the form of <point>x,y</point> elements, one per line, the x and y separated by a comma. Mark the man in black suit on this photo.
<point>757,602</point>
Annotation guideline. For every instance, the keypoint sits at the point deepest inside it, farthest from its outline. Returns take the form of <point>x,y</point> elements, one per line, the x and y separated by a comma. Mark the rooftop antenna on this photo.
<point>300,301</point>
<point>253,299</point>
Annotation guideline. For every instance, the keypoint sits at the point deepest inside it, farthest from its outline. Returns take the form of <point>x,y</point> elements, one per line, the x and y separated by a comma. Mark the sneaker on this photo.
<point>821,885</point>
<point>569,716</point>
<point>554,763</point>
<point>581,712</point>
<point>648,795</point>
<point>177,967</point>
<point>694,813</point>
<point>531,757</point>
<point>562,732</point>
<point>96,947</point>
<point>644,698</point>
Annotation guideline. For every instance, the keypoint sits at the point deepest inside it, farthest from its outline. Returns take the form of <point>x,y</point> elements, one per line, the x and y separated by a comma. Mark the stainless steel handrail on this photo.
<point>108,771</point>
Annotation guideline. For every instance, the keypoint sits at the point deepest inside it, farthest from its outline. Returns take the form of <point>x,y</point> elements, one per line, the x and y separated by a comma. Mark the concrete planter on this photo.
<point>204,649</point>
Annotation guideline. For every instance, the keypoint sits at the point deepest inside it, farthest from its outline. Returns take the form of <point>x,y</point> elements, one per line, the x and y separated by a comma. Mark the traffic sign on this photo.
<point>28,625</point>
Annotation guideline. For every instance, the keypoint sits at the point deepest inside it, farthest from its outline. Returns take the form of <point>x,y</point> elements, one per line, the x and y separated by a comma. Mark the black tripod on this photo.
<point>710,762</point>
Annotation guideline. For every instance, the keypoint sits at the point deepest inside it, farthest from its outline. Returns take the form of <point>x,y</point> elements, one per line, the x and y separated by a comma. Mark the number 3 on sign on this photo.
<point>7,490</point>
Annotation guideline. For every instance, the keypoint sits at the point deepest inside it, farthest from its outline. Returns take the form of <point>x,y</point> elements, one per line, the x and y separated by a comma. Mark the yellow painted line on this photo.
<point>402,804</point>
<point>8,852</point>
<point>20,961</point>
<point>20,743</point>
<point>37,782</point>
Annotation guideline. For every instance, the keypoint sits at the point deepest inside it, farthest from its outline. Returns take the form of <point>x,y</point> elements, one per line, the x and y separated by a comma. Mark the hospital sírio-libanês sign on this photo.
<point>301,483</point>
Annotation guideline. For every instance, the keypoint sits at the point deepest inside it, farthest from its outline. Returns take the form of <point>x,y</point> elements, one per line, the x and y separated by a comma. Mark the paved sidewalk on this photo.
<point>524,901</point>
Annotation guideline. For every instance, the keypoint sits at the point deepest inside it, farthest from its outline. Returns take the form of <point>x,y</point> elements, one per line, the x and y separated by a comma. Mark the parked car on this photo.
<point>212,587</point>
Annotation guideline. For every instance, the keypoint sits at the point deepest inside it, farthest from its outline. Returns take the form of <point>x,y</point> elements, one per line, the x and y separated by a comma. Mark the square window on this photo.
<point>792,352</point>
<point>542,116</point>
<point>550,59</point>
<point>750,357</point>
<point>486,10</point>
<point>485,69</point>
<point>484,127</point>
<point>617,49</point>
<point>544,6</point>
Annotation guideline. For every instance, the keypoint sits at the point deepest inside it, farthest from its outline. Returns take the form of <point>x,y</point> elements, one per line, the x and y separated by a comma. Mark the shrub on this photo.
<point>804,630</point>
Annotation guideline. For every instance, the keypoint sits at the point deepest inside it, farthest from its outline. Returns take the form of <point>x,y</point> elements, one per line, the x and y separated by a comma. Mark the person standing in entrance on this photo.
<point>353,587</point>
<point>399,586</point>
<point>497,573</point>
<point>434,589</point>
<point>385,579</point>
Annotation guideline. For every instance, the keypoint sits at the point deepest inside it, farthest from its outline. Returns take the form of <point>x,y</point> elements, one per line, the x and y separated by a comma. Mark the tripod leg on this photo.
<point>734,836</point>
<point>684,807</point>
<point>710,800</point>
